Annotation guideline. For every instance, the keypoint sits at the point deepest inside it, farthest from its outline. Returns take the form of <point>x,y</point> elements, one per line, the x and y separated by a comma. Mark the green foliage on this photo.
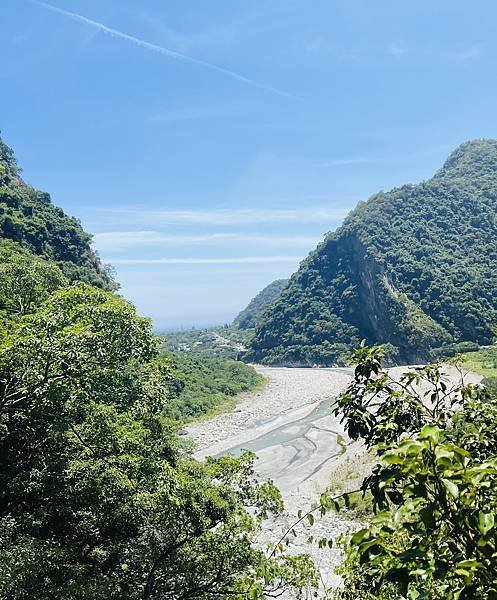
<point>25,280</point>
<point>27,216</point>
<point>414,267</point>
<point>249,316</point>
<point>434,487</point>
<point>98,498</point>
<point>202,385</point>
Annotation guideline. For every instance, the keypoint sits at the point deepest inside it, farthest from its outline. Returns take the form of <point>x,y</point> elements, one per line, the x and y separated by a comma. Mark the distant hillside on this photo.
<point>415,268</point>
<point>249,316</point>
<point>28,217</point>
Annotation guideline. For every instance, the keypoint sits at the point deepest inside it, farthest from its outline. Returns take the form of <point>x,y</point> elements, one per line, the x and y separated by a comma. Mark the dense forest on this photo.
<point>99,496</point>
<point>414,268</point>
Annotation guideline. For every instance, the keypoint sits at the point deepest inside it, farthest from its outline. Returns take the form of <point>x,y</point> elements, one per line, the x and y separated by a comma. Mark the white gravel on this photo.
<point>288,389</point>
<point>290,395</point>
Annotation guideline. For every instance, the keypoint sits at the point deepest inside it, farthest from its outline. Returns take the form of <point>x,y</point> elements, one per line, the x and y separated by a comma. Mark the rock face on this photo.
<point>414,268</point>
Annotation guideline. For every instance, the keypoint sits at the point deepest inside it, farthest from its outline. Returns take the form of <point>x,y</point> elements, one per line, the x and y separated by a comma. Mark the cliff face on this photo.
<point>415,268</point>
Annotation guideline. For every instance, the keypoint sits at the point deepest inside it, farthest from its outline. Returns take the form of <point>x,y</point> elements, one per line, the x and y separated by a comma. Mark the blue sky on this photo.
<point>210,145</point>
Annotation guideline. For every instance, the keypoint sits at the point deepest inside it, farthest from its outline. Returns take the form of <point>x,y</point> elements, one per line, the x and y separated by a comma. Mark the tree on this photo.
<point>434,488</point>
<point>98,497</point>
<point>25,280</point>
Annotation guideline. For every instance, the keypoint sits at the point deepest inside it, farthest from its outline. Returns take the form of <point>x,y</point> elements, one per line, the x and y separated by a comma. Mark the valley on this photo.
<point>248,321</point>
<point>303,448</point>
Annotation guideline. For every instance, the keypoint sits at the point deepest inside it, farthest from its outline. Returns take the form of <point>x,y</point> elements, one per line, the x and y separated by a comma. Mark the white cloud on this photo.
<point>20,39</point>
<point>468,53</point>
<point>189,42</point>
<point>112,240</point>
<point>315,44</point>
<point>204,261</point>
<point>161,50</point>
<point>228,216</point>
<point>359,160</point>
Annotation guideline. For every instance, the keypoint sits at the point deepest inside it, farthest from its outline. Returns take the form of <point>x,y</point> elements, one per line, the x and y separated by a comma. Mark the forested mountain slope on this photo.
<point>415,268</point>
<point>248,317</point>
<point>27,216</point>
<point>100,499</point>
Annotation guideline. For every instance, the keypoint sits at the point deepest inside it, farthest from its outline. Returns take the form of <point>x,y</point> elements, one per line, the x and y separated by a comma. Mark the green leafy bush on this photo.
<point>434,487</point>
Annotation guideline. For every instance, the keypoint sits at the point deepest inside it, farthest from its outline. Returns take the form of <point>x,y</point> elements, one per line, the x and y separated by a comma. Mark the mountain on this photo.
<point>249,316</point>
<point>28,217</point>
<point>414,268</point>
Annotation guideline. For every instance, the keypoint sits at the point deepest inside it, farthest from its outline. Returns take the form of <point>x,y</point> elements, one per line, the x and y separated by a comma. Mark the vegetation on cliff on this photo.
<point>27,216</point>
<point>414,268</point>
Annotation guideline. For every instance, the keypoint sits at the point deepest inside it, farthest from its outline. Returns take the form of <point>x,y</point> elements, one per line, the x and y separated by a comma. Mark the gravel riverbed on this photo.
<point>303,448</point>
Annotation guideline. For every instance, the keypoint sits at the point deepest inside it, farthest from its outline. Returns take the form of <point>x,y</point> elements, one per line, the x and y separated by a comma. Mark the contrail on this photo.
<point>160,50</point>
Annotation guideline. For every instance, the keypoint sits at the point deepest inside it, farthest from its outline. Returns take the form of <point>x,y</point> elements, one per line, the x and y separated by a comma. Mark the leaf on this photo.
<point>310,518</point>
<point>359,536</point>
<point>392,458</point>
<point>451,487</point>
<point>469,564</point>
<point>430,432</point>
<point>485,522</point>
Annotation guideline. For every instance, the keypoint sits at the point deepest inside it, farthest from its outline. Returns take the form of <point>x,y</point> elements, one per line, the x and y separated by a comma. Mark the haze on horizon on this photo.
<point>210,150</point>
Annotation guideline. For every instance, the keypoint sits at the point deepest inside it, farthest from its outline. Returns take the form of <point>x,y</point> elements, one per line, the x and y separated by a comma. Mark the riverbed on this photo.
<point>289,425</point>
<point>302,447</point>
